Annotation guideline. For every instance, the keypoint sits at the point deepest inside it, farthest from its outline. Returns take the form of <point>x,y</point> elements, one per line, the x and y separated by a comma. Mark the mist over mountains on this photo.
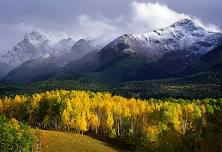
<point>180,49</point>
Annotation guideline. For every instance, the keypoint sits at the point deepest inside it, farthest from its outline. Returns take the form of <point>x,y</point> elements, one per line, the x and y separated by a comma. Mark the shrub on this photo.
<point>14,136</point>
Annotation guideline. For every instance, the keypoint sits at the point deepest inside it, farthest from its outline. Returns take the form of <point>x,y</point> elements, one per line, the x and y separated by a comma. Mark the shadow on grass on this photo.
<point>117,143</point>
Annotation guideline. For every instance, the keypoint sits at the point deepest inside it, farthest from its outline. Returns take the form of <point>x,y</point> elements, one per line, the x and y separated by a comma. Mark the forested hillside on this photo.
<point>206,84</point>
<point>153,125</point>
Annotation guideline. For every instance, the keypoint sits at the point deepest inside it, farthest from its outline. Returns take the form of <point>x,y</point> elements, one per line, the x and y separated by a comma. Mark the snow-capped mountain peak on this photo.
<point>186,24</point>
<point>34,45</point>
<point>35,36</point>
<point>63,46</point>
<point>36,39</point>
<point>37,44</point>
<point>79,49</point>
<point>183,35</point>
<point>82,43</point>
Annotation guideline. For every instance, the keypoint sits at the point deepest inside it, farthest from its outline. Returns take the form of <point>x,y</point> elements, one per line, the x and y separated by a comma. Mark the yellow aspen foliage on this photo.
<point>1,107</point>
<point>73,124</point>
<point>202,108</point>
<point>177,114</point>
<point>83,123</point>
<point>17,101</point>
<point>149,121</point>
<point>65,118</point>
<point>126,112</point>
<point>69,106</point>
<point>94,121</point>
<point>190,108</point>
<point>152,133</point>
<point>6,104</point>
<point>109,121</point>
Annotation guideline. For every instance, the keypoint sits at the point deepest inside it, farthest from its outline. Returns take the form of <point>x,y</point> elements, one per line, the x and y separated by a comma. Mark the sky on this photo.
<point>100,19</point>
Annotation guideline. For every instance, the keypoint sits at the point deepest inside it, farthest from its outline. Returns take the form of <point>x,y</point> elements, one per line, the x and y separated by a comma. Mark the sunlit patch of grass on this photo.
<point>55,141</point>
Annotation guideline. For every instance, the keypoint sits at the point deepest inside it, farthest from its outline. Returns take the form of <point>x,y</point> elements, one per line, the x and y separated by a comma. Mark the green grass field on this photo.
<point>55,141</point>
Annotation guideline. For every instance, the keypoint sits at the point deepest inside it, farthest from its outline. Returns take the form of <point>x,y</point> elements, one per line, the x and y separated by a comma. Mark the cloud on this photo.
<point>140,17</point>
<point>149,16</point>
<point>98,26</point>
<point>214,28</point>
<point>207,26</point>
<point>11,34</point>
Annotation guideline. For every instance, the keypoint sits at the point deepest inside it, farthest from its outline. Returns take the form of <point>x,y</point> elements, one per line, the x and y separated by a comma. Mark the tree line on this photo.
<point>162,125</point>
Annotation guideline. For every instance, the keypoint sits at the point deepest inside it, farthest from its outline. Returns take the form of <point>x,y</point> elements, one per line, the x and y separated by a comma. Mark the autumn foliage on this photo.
<point>170,124</point>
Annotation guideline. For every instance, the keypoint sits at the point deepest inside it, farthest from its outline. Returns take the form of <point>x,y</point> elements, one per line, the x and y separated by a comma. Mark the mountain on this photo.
<point>62,47</point>
<point>183,35</point>
<point>36,46</point>
<point>87,63</point>
<point>33,46</point>
<point>5,68</point>
<point>78,50</point>
<point>166,52</point>
<point>208,61</point>
<point>33,70</point>
<point>180,49</point>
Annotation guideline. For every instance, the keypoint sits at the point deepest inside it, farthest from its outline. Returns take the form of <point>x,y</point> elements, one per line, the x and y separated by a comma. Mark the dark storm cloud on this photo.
<point>97,17</point>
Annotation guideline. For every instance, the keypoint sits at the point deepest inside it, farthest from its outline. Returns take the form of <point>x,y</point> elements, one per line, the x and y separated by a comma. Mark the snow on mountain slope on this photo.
<point>48,63</point>
<point>79,49</point>
<point>183,35</point>
<point>63,47</point>
<point>34,45</point>
<point>169,51</point>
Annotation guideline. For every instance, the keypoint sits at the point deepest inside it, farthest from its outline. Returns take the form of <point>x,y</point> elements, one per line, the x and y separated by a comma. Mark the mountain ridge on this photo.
<point>157,51</point>
<point>162,53</point>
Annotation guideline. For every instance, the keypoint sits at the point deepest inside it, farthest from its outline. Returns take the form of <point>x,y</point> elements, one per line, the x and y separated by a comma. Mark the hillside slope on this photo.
<point>55,141</point>
<point>200,85</point>
<point>33,70</point>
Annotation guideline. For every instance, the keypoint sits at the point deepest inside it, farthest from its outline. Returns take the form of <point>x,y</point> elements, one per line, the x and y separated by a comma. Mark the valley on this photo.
<point>151,91</point>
